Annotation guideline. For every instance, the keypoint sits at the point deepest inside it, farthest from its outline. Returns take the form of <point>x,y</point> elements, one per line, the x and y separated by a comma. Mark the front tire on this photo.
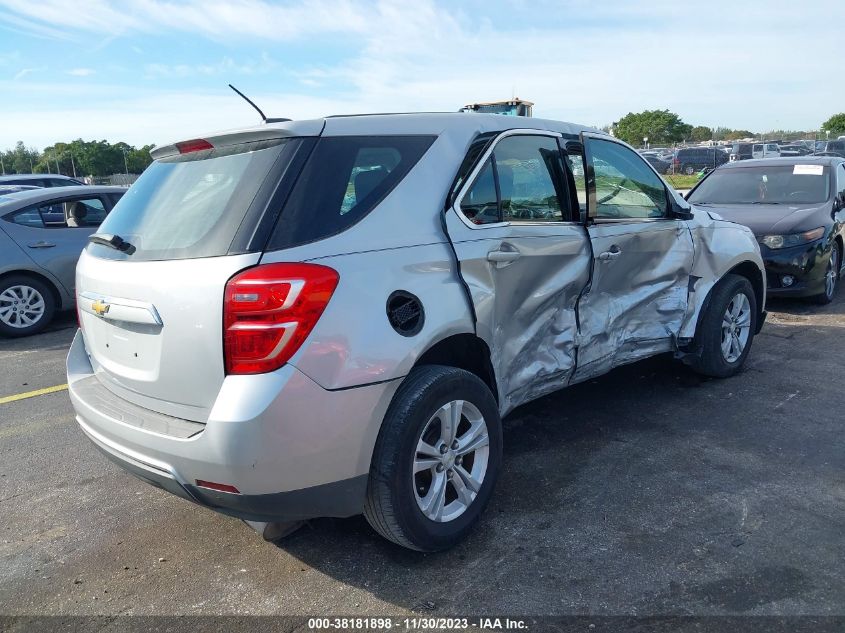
<point>26,306</point>
<point>831,276</point>
<point>436,459</point>
<point>726,330</point>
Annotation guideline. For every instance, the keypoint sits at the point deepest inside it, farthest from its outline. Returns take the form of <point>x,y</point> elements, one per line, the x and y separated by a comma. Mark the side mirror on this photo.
<point>681,212</point>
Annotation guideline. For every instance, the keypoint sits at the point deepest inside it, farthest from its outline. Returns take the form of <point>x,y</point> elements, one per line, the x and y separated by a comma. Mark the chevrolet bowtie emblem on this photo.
<point>100,307</point>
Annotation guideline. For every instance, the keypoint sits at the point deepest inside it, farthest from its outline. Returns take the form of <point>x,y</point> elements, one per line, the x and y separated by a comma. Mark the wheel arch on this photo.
<point>754,275</point>
<point>54,290</point>
<point>463,351</point>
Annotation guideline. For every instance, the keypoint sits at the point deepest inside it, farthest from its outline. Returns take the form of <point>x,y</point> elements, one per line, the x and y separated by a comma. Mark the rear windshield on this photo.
<point>780,184</point>
<point>191,205</point>
<point>344,179</point>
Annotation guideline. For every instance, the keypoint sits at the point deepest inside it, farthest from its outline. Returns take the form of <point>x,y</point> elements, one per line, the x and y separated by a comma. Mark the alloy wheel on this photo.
<point>832,274</point>
<point>451,461</point>
<point>736,327</point>
<point>21,306</point>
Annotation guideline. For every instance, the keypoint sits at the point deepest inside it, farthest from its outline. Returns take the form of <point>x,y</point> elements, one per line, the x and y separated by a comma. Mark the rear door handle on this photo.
<point>503,258</point>
<point>611,254</point>
<point>41,244</point>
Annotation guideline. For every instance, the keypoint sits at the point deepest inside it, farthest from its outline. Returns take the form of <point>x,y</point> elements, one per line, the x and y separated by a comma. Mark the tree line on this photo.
<point>101,158</point>
<point>662,127</point>
<point>77,158</point>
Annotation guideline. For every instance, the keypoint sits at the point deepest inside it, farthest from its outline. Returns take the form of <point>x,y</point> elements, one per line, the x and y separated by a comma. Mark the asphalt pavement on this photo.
<point>648,491</point>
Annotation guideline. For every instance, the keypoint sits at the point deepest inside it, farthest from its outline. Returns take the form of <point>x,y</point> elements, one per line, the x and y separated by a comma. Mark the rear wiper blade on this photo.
<point>113,241</point>
<point>764,202</point>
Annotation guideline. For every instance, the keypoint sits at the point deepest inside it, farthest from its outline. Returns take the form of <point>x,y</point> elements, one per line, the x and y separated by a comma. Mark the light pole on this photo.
<point>2,165</point>
<point>645,142</point>
<point>125,164</point>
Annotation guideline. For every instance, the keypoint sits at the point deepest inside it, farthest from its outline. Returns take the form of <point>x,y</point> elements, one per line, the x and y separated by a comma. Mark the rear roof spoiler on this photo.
<point>267,132</point>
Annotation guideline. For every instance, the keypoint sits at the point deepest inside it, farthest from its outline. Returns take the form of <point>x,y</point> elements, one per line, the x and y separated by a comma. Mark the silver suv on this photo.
<point>330,317</point>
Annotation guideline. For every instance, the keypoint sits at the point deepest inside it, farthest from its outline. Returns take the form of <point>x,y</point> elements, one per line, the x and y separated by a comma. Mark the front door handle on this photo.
<point>611,254</point>
<point>41,244</point>
<point>503,258</point>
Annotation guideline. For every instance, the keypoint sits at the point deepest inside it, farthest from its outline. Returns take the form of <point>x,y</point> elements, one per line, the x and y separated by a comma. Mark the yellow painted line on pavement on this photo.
<point>32,394</point>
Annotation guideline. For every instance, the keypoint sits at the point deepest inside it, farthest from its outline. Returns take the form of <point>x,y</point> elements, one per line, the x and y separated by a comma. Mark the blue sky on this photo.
<point>155,71</point>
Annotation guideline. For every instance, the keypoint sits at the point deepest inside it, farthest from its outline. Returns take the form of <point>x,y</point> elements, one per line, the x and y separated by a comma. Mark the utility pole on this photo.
<point>125,164</point>
<point>73,165</point>
<point>2,165</point>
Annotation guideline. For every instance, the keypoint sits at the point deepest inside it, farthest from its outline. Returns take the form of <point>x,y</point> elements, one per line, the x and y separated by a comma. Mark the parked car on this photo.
<point>796,208</point>
<point>40,180</point>
<point>330,317</point>
<point>790,151</point>
<point>831,148</point>
<point>7,189</point>
<point>690,160</point>
<point>661,166</point>
<point>42,233</point>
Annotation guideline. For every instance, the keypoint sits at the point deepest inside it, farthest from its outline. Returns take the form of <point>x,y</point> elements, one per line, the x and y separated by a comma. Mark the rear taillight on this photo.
<point>269,311</point>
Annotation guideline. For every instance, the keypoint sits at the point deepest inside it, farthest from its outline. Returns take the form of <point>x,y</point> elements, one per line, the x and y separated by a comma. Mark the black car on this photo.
<point>39,180</point>
<point>689,160</point>
<point>793,150</point>
<point>660,166</point>
<point>796,208</point>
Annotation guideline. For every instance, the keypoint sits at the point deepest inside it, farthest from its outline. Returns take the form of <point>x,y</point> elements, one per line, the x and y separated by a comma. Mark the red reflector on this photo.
<point>195,145</point>
<point>269,311</point>
<point>219,487</point>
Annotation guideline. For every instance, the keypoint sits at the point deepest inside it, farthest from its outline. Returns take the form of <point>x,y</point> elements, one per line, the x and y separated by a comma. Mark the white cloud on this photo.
<point>81,72</point>
<point>742,65</point>
<point>23,72</point>
<point>226,66</point>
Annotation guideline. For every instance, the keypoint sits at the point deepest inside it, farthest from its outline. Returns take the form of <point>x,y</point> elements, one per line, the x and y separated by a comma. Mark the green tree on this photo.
<point>835,124</point>
<point>659,126</point>
<point>734,135</point>
<point>701,133</point>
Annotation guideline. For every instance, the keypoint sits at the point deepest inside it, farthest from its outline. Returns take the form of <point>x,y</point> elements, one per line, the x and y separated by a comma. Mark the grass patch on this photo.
<point>681,181</point>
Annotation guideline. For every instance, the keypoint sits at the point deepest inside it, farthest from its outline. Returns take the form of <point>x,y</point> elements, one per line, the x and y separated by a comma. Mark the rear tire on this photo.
<point>27,306</point>
<point>421,452</point>
<point>831,282</point>
<point>726,330</point>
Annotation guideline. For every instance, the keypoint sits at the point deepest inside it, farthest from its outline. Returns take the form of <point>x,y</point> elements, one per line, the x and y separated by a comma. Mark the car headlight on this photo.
<point>795,239</point>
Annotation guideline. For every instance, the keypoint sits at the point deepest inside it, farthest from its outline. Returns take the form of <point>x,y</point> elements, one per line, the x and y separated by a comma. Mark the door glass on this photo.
<point>576,168</point>
<point>626,188</point>
<point>27,217</point>
<point>480,204</point>
<point>530,176</point>
<point>88,212</point>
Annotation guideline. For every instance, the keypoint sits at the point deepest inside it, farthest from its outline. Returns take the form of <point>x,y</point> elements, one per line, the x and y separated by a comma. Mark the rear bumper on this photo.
<point>291,448</point>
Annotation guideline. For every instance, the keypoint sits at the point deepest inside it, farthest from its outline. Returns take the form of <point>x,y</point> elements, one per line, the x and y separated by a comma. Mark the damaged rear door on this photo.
<point>642,257</point>
<point>524,256</point>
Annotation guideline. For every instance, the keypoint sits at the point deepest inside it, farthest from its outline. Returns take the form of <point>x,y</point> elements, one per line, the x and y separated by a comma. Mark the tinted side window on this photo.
<point>480,204</point>
<point>344,179</point>
<point>88,212</point>
<point>26,217</point>
<point>626,188</point>
<point>530,174</point>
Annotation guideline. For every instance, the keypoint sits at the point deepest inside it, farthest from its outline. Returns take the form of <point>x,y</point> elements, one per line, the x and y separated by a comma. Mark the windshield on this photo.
<point>190,205</point>
<point>780,184</point>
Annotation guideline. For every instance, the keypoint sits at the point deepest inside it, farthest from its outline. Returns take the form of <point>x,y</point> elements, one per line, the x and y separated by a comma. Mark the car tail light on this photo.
<point>194,145</point>
<point>269,311</point>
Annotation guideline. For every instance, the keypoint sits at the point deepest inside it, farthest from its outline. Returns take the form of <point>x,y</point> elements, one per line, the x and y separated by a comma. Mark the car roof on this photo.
<point>787,160</point>
<point>33,196</point>
<point>462,125</point>
<point>8,177</point>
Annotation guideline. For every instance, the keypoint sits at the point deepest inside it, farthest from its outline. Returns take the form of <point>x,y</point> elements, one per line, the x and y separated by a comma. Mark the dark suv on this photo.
<point>689,160</point>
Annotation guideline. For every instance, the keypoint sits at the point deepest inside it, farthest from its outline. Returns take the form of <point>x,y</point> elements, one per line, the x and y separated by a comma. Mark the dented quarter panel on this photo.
<point>720,246</point>
<point>637,302</point>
